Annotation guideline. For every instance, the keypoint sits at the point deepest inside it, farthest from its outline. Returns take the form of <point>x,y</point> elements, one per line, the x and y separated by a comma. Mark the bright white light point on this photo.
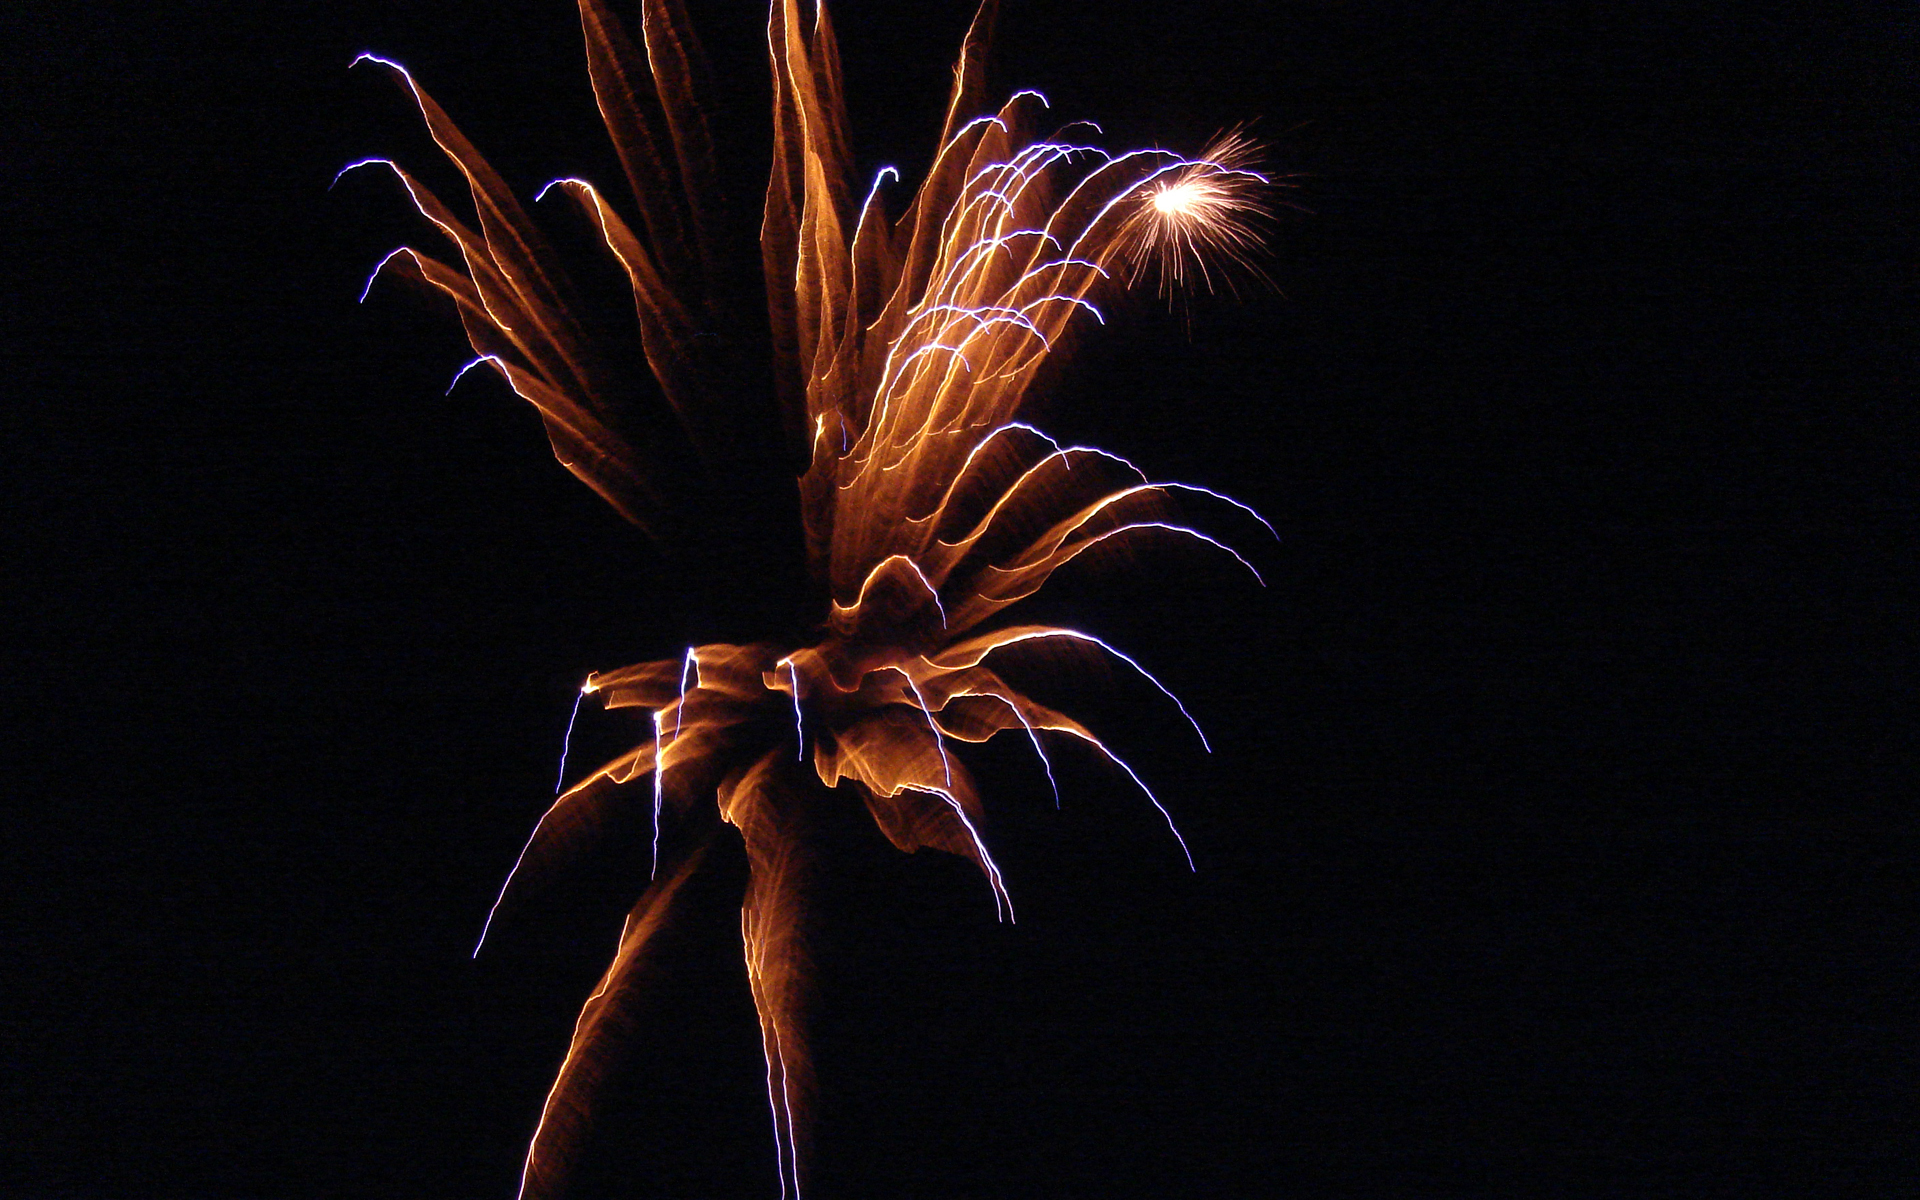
<point>1178,200</point>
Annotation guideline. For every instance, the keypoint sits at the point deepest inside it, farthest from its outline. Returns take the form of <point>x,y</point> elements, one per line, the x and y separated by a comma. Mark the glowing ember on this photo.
<point>903,350</point>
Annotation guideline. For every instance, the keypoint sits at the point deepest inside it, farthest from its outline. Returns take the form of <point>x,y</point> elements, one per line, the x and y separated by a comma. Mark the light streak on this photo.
<point>354,166</point>
<point>428,208</point>
<point>972,125</point>
<point>554,183</point>
<point>935,348</point>
<point>540,826</point>
<point>767,1051</point>
<point>546,1106</point>
<point>1074,300</point>
<point>1117,761</point>
<point>691,666</point>
<point>861,599</point>
<point>779,1142</point>
<point>391,255</point>
<point>786,1104</point>
<point>486,926</point>
<point>872,192</point>
<point>799,731</point>
<point>1002,314</point>
<point>997,885</point>
<point>940,743</point>
<point>659,774</point>
<point>461,373</point>
<point>566,744</point>
<point>1171,528</point>
<point>1076,635</point>
<point>1032,736</point>
<point>370,56</point>
<point>1245,508</point>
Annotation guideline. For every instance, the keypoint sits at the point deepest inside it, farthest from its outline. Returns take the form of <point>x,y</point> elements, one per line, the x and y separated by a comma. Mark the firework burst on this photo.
<point>1199,217</point>
<point>901,351</point>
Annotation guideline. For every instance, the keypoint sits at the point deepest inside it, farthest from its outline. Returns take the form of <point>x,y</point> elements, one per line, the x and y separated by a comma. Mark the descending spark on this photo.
<point>370,56</point>
<point>376,274</point>
<point>461,373</point>
<point>872,192</point>
<point>767,1050</point>
<point>946,794</point>
<point>659,774</point>
<point>866,584</point>
<point>799,731</point>
<point>487,925</point>
<point>553,183</point>
<point>1076,635</point>
<point>1076,301</point>
<point>354,166</point>
<point>1117,761</point>
<point>1032,736</point>
<point>922,338</point>
<point>786,1105</point>
<point>1245,508</point>
<point>1171,528</point>
<point>940,743</point>
<point>566,743</point>
<point>689,667</point>
<point>1000,896</point>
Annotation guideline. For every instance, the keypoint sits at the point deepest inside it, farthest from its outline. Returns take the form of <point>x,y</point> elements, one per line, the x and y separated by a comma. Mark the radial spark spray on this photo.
<point>902,338</point>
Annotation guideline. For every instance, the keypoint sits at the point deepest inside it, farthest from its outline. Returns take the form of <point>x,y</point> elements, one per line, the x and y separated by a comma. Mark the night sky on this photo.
<point>1559,834</point>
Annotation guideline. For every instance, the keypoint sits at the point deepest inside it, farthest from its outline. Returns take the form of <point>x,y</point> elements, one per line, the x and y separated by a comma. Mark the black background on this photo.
<point>1558,838</point>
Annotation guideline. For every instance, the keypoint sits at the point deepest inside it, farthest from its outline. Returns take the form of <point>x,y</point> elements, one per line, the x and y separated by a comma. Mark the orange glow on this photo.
<point>905,347</point>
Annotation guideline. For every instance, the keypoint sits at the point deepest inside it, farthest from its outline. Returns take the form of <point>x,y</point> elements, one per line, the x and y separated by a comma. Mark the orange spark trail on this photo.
<point>904,350</point>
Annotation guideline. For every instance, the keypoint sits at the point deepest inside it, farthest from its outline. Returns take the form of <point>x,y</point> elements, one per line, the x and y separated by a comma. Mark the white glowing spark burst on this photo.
<point>1179,199</point>
<point>1197,216</point>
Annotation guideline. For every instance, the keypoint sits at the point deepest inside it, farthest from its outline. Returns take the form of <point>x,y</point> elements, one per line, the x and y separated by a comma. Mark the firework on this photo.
<point>903,349</point>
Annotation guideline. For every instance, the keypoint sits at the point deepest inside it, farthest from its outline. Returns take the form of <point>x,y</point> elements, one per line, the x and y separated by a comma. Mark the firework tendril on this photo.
<point>901,350</point>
